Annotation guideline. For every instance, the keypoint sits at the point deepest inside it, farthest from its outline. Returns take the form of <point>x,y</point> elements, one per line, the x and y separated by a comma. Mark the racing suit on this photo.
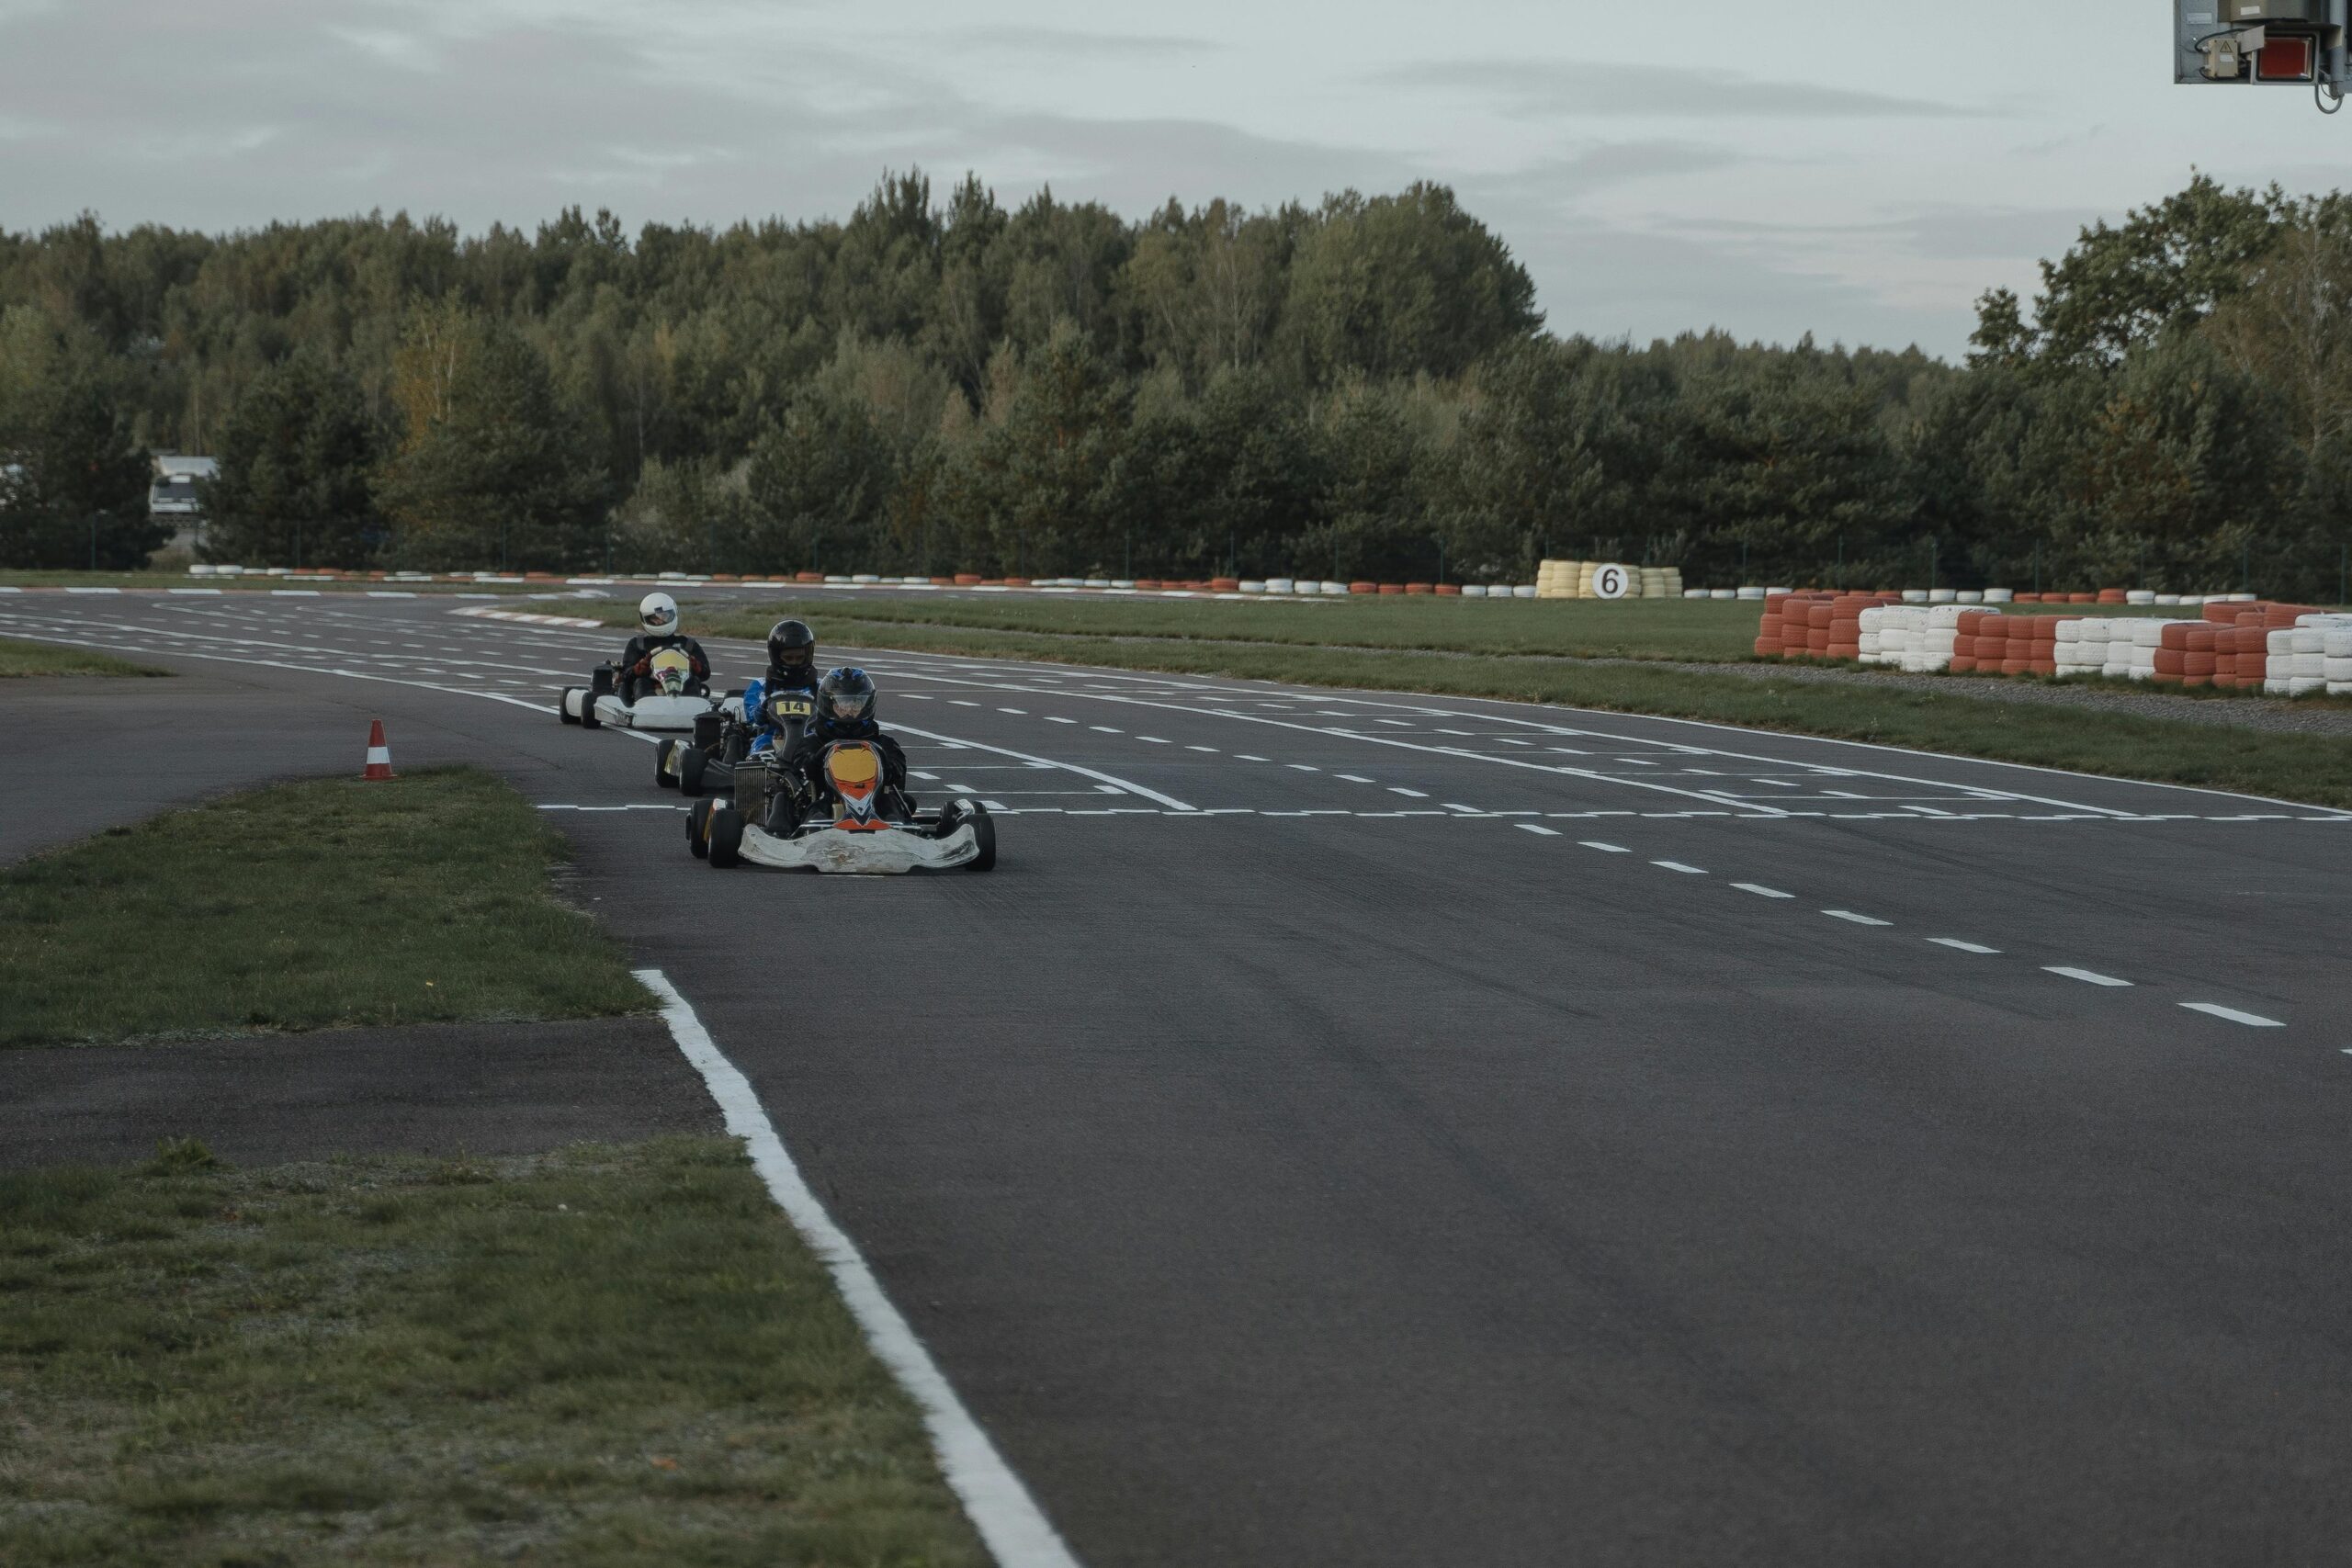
<point>764,733</point>
<point>637,663</point>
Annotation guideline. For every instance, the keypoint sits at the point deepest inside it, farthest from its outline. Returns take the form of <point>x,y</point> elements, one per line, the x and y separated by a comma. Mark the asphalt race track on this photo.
<point>1371,1129</point>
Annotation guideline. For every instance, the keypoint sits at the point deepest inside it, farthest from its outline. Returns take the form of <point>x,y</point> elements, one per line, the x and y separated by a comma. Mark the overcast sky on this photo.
<point>1863,175</point>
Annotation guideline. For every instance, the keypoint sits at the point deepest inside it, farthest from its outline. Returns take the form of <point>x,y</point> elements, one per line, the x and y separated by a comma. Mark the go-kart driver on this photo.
<point>792,667</point>
<point>657,629</point>
<point>846,701</point>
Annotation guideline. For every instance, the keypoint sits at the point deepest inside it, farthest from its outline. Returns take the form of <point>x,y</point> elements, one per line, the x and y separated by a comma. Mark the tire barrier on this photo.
<point>2234,645</point>
<point>1573,580</point>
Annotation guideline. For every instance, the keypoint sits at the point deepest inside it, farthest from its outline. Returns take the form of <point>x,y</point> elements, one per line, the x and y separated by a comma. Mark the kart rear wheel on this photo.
<point>663,777</point>
<point>725,845</point>
<point>698,830</point>
<point>563,704</point>
<point>692,762</point>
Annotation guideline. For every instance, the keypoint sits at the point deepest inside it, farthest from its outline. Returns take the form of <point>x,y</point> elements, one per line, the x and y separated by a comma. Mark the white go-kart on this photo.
<point>665,699</point>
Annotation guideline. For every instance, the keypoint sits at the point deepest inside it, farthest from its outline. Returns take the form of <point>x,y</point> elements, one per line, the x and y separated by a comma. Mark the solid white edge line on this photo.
<point>2252,1020</point>
<point>2087,976</point>
<point>1015,1529</point>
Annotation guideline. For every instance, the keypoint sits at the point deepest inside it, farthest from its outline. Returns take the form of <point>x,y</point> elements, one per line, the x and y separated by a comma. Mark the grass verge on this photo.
<point>603,1356</point>
<point>1640,628</point>
<point>20,659</point>
<point>2313,768</point>
<point>304,905</point>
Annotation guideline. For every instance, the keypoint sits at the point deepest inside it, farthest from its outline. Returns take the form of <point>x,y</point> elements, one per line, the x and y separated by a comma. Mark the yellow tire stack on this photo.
<point>1564,579</point>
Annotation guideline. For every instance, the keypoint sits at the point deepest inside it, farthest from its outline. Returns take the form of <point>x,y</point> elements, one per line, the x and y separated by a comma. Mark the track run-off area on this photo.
<point>1369,1128</point>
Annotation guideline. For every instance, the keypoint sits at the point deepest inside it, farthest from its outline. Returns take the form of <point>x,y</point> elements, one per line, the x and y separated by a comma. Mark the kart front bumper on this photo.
<point>891,852</point>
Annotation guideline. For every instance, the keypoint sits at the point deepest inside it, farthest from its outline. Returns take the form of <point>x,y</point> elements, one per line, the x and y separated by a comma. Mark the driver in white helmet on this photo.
<point>657,629</point>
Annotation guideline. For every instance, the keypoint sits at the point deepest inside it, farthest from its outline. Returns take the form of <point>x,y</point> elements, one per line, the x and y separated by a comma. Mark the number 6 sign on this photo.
<point>1609,582</point>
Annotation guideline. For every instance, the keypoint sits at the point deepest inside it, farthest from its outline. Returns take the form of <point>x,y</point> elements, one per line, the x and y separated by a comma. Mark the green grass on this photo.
<point>303,906</point>
<point>1644,629</point>
<point>605,1355</point>
<point>19,658</point>
<point>2313,768</point>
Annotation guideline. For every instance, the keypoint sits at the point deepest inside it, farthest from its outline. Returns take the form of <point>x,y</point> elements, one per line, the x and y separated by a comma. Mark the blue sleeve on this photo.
<point>754,701</point>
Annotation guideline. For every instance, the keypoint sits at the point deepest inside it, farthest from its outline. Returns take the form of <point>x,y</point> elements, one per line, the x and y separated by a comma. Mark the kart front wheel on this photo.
<point>692,762</point>
<point>698,830</point>
<point>663,777</point>
<point>563,706</point>
<point>725,842</point>
<point>965,812</point>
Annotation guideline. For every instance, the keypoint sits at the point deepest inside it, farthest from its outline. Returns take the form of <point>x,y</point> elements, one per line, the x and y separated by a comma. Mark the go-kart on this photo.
<point>669,698</point>
<point>841,816</point>
<point>706,761</point>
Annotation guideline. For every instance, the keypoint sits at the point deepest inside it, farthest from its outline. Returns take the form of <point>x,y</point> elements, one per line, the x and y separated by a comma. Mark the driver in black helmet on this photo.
<point>791,671</point>
<point>846,701</point>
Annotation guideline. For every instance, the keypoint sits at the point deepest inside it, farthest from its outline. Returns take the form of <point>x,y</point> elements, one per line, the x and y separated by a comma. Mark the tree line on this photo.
<point>1361,387</point>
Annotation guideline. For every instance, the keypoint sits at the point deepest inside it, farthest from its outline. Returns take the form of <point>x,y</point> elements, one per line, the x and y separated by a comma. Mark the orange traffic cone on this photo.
<point>379,755</point>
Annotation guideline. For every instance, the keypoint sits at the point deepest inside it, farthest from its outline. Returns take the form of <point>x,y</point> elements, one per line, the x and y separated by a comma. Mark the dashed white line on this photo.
<point>1350,778</point>
<point>1409,794</point>
<point>2252,1020</point>
<point>1604,849</point>
<point>1210,749</point>
<point>1959,946</point>
<point>1050,719</point>
<point>2086,976</point>
<point>1761,891</point>
<point>1677,865</point>
<point>1537,828</point>
<point>1245,757</point>
<point>1304,768</point>
<point>1856,919</point>
<point>1105,729</point>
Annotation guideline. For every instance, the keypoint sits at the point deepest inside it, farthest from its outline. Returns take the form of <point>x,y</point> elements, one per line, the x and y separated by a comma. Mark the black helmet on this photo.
<point>847,696</point>
<point>791,648</point>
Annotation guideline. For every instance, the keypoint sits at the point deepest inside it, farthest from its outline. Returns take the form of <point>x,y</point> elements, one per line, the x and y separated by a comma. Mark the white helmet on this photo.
<point>657,615</point>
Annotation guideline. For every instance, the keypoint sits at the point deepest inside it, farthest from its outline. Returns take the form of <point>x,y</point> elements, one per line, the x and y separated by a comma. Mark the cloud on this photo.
<point>1066,43</point>
<point>1570,88</point>
<point>1603,166</point>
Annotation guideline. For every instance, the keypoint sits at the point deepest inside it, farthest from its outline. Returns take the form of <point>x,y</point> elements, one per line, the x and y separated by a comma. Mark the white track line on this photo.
<point>1855,919</point>
<point>1959,946</point>
<point>1532,827</point>
<point>2252,1020</point>
<point>1677,865</point>
<point>1169,801</point>
<point>2087,976</point>
<point>1016,1530</point>
<point>1762,892</point>
<point>1604,849</point>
